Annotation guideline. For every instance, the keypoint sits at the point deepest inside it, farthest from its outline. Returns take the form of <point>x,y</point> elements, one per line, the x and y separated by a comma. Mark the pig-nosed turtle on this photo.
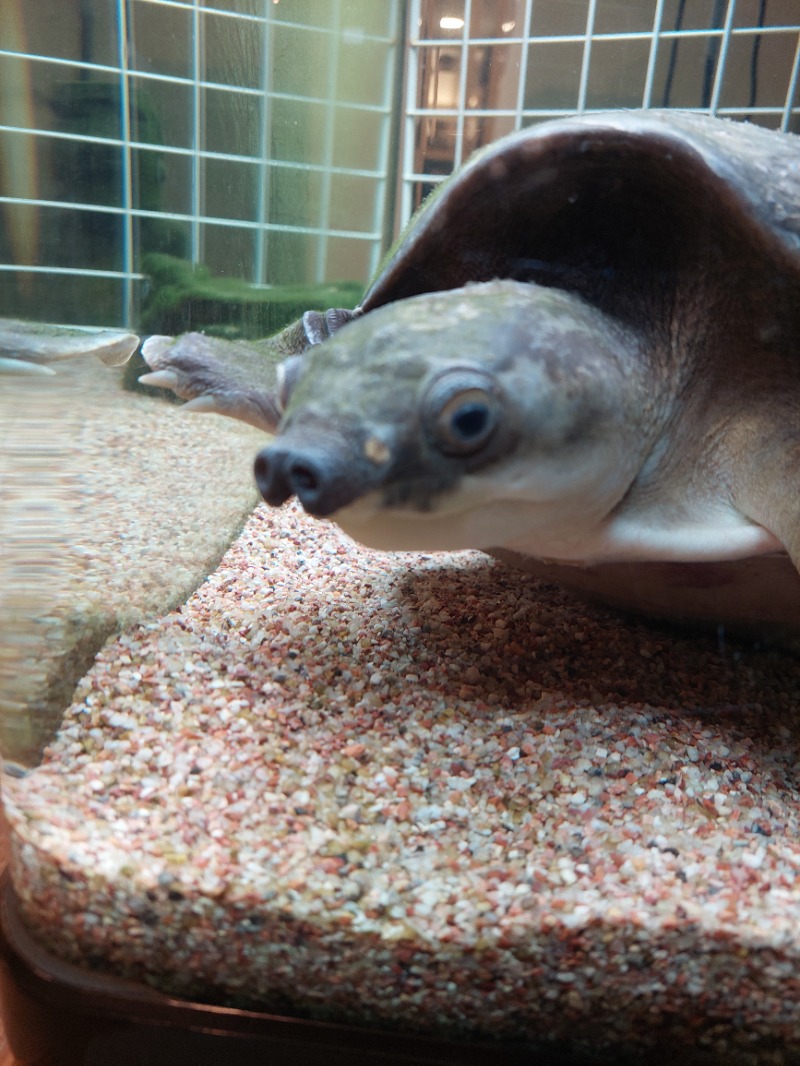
<point>582,357</point>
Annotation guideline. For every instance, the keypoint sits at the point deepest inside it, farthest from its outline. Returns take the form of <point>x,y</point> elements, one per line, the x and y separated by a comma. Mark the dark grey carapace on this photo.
<point>582,357</point>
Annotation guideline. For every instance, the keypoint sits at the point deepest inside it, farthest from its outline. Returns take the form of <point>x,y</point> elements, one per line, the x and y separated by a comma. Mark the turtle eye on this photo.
<point>463,414</point>
<point>465,422</point>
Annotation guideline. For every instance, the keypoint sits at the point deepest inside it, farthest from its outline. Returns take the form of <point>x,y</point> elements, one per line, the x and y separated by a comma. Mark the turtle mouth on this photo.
<point>464,518</point>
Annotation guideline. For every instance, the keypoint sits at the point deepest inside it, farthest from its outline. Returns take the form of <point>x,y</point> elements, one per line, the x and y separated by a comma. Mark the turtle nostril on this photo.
<point>281,473</point>
<point>304,479</point>
<point>272,484</point>
<point>262,470</point>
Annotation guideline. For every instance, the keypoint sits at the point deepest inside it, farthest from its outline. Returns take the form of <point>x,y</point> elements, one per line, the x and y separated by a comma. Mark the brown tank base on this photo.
<point>56,1014</point>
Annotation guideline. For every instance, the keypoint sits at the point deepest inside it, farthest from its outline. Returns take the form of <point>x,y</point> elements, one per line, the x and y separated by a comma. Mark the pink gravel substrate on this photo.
<point>433,793</point>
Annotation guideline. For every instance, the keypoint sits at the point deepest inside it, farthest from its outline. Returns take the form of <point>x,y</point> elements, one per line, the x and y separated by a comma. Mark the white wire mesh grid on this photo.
<point>320,226</point>
<point>509,27</point>
<point>446,28</point>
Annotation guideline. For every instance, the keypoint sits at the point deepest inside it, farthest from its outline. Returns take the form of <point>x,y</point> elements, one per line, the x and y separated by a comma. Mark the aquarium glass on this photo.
<point>225,776</point>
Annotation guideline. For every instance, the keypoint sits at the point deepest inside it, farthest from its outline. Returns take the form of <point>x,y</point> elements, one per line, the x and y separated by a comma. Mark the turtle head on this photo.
<point>471,418</point>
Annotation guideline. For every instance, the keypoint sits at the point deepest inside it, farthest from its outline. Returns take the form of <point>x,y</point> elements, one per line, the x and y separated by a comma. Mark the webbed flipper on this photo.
<point>246,380</point>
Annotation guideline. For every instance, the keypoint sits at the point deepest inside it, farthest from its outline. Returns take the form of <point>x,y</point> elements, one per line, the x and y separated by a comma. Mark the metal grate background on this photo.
<point>479,70</point>
<point>253,136</point>
<point>264,138</point>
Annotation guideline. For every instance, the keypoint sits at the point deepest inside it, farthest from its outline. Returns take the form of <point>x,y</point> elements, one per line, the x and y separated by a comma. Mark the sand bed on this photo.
<point>427,792</point>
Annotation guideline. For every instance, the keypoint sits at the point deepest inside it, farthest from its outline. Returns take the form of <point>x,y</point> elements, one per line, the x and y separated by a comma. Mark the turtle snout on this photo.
<point>323,480</point>
<point>281,473</point>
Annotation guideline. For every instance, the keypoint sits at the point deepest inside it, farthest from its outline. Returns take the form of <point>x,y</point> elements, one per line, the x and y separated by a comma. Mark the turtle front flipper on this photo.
<point>233,378</point>
<point>246,380</point>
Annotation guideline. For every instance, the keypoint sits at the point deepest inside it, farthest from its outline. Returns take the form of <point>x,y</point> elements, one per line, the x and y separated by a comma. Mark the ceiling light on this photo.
<point>450,22</point>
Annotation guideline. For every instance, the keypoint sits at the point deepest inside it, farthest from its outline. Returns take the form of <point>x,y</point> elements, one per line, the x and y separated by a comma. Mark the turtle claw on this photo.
<point>160,379</point>
<point>201,405</point>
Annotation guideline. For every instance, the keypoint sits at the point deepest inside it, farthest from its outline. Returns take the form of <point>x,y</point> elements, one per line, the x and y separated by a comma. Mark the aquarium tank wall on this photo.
<point>270,795</point>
